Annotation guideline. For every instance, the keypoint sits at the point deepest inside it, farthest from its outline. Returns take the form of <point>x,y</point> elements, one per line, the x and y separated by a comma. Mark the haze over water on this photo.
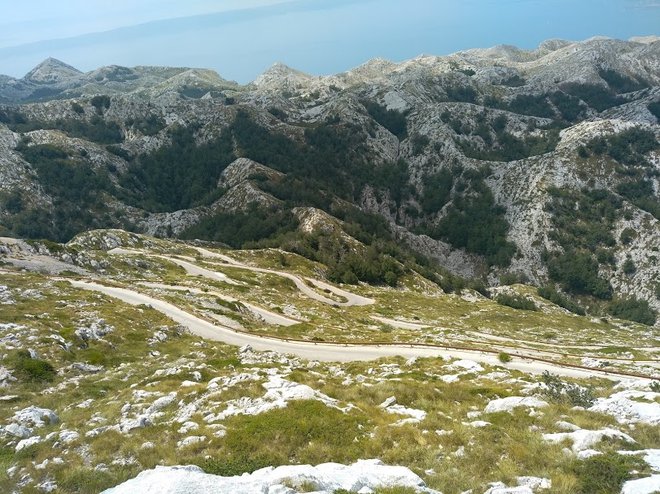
<point>316,36</point>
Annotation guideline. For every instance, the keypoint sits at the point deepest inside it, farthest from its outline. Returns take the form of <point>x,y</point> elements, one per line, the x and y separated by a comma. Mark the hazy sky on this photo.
<point>241,38</point>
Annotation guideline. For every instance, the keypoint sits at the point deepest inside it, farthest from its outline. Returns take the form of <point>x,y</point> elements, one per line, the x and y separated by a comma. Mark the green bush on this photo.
<point>606,473</point>
<point>621,83</point>
<point>82,480</point>
<point>633,309</point>
<point>392,120</point>
<point>577,272</point>
<point>77,192</point>
<point>101,103</point>
<point>437,191</point>
<point>461,92</point>
<point>550,293</point>
<point>149,126</point>
<point>654,108</point>
<point>559,391</point>
<point>515,301</point>
<point>627,236</point>
<point>629,267</point>
<point>595,95</point>
<point>29,369</point>
<point>504,357</point>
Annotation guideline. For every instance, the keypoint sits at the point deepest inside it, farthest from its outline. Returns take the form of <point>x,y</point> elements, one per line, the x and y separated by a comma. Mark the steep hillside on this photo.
<point>497,165</point>
<point>123,356</point>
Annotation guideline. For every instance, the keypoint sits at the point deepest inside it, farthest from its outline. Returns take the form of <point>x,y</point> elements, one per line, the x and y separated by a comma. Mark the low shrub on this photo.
<point>29,369</point>
<point>559,391</point>
<point>633,309</point>
<point>605,474</point>
<point>550,293</point>
<point>516,302</point>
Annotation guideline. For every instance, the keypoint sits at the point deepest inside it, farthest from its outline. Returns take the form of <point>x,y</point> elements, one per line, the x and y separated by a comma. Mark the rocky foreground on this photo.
<point>100,395</point>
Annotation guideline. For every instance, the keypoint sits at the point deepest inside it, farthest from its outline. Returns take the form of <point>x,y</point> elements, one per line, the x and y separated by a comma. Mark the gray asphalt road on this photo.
<point>326,351</point>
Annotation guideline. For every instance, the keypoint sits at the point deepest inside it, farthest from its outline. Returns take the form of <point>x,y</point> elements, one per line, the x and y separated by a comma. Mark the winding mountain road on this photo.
<point>328,351</point>
<point>349,299</point>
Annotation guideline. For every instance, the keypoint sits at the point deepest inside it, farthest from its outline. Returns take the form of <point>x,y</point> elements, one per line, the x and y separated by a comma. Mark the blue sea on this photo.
<point>328,36</point>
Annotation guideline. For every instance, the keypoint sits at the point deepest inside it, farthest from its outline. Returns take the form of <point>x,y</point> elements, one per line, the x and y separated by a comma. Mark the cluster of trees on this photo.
<point>628,147</point>
<point>149,125</point>
<point>474,222</point>
<point>256,225</point>
<point>96,129</point>
<point>499,145</point>
<point>511,148</point>
<point>583,222</point>
<point>437,190</point>
<point>180,175</point>
<point>516,301</point>
<point>564,105</point>
<point>654,108</point>
<point>596,96</point>
<point>77,191</point>
<point>621,83</point>
<point>392,120</point>
<point>633,309</point>
<point>577,272</point>
<point>550,293</point>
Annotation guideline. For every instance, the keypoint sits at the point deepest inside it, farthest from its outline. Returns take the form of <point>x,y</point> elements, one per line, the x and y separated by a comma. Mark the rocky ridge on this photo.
<point>462,114</point>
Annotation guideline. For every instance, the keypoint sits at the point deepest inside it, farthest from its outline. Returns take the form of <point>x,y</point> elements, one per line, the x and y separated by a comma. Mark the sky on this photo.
<point>242,38</point>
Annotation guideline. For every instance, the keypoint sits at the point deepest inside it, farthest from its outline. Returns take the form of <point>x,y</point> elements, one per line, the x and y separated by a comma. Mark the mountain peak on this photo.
<point>281,74</point>
<point>51,71</point>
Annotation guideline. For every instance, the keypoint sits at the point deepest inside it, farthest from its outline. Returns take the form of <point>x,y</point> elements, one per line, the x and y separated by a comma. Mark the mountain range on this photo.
<point>482,167</point>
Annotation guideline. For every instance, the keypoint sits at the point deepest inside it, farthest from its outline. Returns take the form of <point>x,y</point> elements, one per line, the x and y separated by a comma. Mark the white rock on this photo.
<point>47,486</point>
<point>587,453</point>
<point>512,402</point>
<point>279,393</point>
<point>26,443</point>
<point>90,369</point>
<point>511,490</point>
<point>127,425</point>
<point>567,426</point>
<point>67,437</point>
<point>6,377</point>
<point>584,439</point>
<point>466,365</point>
<point>477,423</point>
<point>648,485</point>
<point>17,430</point>
<point>327,478</point>
<point>388,402</point>
<point>534,483</point>
<point>161,403</point>
<point>86,403</point>
<point>414,415</point>
<point>38,417</point>
<point>450,378</point>
<point>187,427</point>
<point>631,406</point>
<point>651,457</point>
<point>190,440</point>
